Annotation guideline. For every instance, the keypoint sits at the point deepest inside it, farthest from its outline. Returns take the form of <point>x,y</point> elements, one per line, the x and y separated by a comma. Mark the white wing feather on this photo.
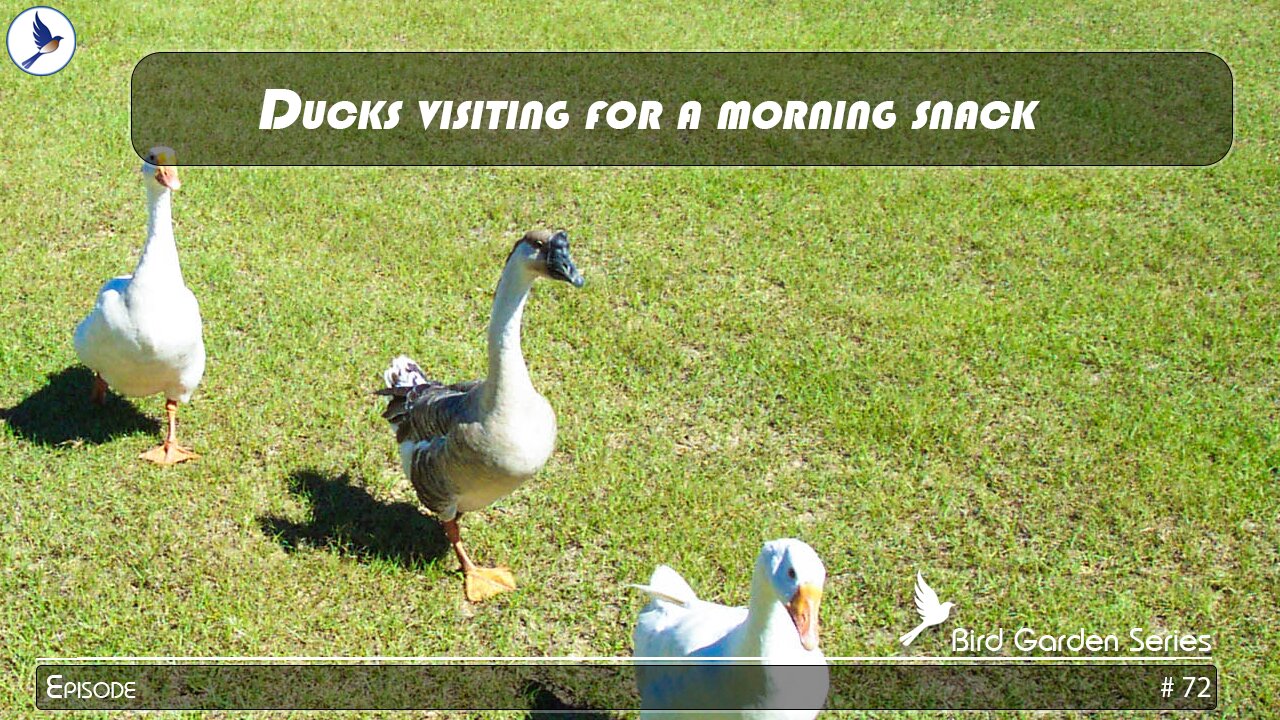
<point>667,585</point>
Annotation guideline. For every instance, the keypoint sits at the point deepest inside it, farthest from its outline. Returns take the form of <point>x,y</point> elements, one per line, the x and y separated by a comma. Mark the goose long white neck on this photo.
<point>508,375</point>
<point>159,262</point>
<point>767,623</point>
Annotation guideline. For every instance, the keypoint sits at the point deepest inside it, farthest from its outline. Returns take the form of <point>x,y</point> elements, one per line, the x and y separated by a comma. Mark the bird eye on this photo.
<point>791,573</point>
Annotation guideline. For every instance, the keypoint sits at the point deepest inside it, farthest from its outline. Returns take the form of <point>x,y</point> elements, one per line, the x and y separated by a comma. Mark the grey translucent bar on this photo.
<point>609,687</point>
<point>756,108</point>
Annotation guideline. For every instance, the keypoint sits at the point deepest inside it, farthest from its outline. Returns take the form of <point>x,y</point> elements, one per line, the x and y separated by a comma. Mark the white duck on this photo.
<point>465,445</point>
<point>144,335</point>
<point>777,631</point>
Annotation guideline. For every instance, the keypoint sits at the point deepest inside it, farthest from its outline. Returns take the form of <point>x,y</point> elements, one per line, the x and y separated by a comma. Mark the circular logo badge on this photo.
<point>41,40</point>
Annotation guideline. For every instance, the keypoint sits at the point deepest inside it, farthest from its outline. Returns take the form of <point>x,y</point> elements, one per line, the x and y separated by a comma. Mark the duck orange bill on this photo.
<point>168,177</point>
<point>804,613</point>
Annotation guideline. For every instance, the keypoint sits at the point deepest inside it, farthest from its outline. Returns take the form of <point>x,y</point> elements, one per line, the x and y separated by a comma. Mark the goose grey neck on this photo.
<point>159,261</point>
<point>508,374</point>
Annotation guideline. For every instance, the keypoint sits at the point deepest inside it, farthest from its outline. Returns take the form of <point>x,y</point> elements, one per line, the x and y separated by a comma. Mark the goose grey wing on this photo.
<point>428,472</point>
<point>428,410</point>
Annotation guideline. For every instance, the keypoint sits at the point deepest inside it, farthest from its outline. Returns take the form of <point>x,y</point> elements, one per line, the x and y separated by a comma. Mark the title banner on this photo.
<point>685,108</point>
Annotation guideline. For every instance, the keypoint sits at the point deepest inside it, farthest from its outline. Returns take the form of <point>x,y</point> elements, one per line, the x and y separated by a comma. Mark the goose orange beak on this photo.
<point>168,176</point>
<point>803,609</point>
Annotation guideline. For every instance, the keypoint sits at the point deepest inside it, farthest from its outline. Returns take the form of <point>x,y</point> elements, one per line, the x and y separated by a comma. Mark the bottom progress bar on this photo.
<point>611,684</point>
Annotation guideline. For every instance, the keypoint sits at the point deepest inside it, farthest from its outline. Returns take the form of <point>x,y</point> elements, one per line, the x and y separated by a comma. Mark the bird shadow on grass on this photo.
<point>346,519</point>
<point>60,413</point>
<point>545,704</point>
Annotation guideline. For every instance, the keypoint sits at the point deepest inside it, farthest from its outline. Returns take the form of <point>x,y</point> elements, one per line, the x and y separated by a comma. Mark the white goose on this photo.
<point>144,335</point>
<point>778,628</point>
<point>466,445</point>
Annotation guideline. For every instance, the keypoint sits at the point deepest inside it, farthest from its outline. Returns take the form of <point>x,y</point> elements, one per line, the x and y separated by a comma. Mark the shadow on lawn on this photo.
<point>60,412</point>
<point>547,705</point>
<point>346,519</point>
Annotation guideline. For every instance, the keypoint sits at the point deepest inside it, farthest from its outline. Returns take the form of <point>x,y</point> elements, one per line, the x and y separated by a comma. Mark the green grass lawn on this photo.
<point>1053,390</point>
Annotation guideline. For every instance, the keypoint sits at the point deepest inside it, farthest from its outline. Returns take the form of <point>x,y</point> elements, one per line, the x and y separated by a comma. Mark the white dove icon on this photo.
<point>931,611</point>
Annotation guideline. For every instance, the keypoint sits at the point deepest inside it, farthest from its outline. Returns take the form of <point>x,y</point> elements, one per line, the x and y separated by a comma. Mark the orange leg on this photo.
<point>480,583</point>
<point>98,394</point>
<point>170,452</point>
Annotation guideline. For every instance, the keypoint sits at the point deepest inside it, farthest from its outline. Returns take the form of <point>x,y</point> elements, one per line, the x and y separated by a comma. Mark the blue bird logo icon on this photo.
<point>46,42</point>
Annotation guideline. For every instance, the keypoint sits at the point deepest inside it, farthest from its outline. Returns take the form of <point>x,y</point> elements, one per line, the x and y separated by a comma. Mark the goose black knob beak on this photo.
<point>559,263</point>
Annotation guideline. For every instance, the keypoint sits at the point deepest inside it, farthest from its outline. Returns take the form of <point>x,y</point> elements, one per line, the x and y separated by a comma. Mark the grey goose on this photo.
<point>465,445</point>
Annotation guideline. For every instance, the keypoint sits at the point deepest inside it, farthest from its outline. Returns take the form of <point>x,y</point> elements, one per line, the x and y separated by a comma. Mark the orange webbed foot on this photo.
<point>169,454</point>
<point>482,583</point>
<point>98,393</point>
